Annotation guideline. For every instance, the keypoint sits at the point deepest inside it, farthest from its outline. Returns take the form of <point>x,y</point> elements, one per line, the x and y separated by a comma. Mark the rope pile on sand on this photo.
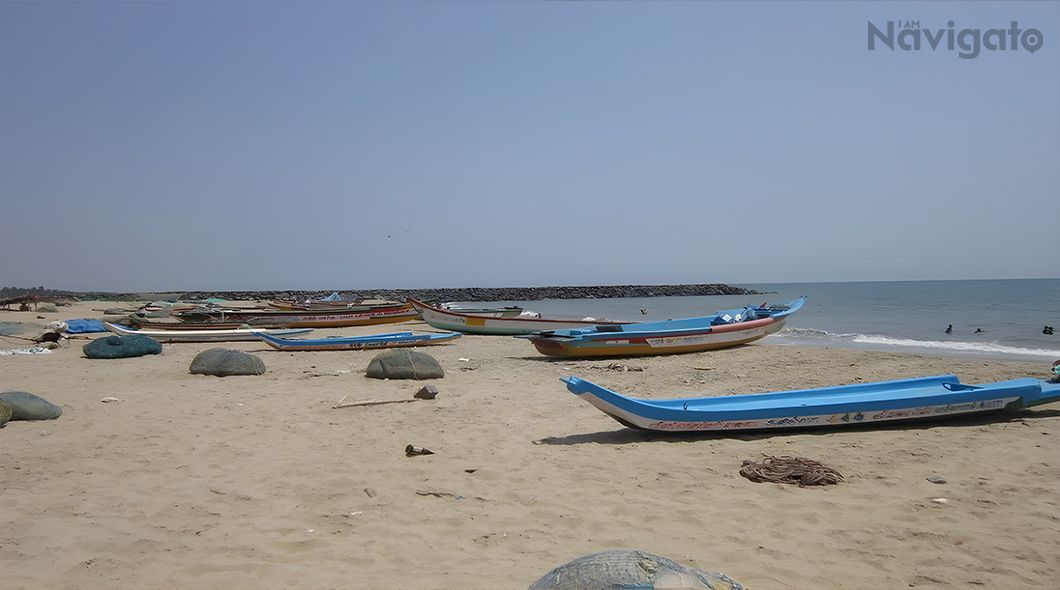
<point>796,470</point>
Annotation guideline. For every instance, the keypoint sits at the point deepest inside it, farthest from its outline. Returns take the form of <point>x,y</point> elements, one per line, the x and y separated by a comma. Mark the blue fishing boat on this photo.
<point>232,335</point>
<point>391,340</point>
<point>883,401</point>
<point>723,329</point>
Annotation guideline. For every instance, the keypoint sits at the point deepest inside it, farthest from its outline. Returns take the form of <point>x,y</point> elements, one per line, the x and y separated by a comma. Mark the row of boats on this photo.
<point>918,398</point>
<point>554,336</point>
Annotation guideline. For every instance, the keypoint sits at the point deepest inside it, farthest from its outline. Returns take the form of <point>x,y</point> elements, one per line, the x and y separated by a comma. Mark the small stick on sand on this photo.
<point>374,403</point>
<point>426,392</point>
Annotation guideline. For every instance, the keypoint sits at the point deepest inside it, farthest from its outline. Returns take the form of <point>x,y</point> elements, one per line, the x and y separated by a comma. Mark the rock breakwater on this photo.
<point>456,294</point>
<point>491,293</point>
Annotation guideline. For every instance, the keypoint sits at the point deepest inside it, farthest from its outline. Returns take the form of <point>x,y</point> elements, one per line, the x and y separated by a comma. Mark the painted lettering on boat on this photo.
<point>990,404</point>
<point>345,316</point>
<point>846,418</point>
<point>677,341</point>
<point>697,339</point>
<point>746,424</point>
<point>444,318</point>
<point>793,421</point>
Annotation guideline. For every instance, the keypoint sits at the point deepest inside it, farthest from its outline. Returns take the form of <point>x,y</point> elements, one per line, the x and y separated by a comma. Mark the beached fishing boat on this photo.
<point>206,318</point>
<point>883,401</point>
<point>472,323</point>
<point>233,335</point>
<point>508,311</point>
<point>329,303</point>
<point>723,329</point>
<point>391,340</point>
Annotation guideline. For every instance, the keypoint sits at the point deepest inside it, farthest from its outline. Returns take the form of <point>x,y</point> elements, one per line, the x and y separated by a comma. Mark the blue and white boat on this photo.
<point>390,340</point>
<point>843,405</point>
<point>723,329</point>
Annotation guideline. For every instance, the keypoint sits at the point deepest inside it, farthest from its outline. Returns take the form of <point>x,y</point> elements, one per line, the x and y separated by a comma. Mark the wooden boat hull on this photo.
<point>444,319</point>
<point>303,307</point>
<point>233,335</point>
<point>659,343</point>
<point>204,319</point>
<point>665,337</point>
<point>391,340</point>
<point>884,401</point>
<point>322,304</point>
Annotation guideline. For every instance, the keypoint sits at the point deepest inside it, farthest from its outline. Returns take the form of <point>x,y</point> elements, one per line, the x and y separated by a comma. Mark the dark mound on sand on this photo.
<point>630,569</point>
<point>26,406</point>
<point>118,347</point>
<point>222,362</point>
<point>404,364</point>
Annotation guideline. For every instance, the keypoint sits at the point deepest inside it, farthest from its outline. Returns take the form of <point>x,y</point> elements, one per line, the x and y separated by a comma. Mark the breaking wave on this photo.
<point>812,337</point>
<point>986,347</point>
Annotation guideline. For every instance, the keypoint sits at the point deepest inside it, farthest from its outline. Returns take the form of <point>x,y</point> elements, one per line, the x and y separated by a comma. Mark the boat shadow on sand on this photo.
<point>625,435</point>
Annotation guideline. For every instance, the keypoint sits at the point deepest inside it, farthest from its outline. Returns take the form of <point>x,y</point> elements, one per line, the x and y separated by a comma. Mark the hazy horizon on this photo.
<point>750,286</point>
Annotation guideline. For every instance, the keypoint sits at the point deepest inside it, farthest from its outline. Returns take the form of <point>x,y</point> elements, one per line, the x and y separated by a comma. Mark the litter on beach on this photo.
<point>30,350</point>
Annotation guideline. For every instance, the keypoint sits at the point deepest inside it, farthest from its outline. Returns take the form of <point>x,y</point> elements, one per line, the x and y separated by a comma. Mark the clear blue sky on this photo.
<point>155,146</point>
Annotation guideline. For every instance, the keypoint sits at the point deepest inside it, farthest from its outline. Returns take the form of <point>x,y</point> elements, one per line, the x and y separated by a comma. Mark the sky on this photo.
<point>308,145</point>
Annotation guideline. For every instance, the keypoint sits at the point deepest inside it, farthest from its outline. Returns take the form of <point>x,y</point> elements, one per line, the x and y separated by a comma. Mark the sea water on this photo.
<point>988,319</point>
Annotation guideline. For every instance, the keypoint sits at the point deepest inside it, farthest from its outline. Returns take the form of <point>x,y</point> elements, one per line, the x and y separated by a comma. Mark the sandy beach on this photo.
<point>189,481</point>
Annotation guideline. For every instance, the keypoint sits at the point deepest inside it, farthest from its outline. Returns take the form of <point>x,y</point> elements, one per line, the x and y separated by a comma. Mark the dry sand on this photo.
<point>192,481</point>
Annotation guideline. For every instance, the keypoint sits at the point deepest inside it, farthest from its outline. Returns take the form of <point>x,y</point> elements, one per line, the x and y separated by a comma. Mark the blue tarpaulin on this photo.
<point>83,326</point>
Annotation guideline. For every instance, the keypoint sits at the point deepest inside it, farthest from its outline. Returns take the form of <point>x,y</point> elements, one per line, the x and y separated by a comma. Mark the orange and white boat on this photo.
<point>721,330</point>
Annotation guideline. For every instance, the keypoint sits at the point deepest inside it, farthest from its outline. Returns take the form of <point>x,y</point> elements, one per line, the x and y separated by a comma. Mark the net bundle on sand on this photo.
<point>795,470</point>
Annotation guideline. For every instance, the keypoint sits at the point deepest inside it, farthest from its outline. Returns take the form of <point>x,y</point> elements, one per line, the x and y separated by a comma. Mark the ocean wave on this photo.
<point>811,333</point>
<point>809,336</point>
<point>987,347</point>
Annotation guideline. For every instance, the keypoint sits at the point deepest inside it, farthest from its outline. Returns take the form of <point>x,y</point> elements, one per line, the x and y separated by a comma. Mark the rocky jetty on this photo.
<point>458,294</point>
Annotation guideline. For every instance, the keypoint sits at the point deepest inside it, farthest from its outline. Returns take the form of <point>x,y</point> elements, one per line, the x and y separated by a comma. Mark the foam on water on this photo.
<point>985,349</point>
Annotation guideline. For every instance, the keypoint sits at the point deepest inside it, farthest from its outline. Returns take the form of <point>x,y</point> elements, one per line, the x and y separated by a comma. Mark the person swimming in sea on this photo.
<point>949,330</point>
<point>1047,330</point>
